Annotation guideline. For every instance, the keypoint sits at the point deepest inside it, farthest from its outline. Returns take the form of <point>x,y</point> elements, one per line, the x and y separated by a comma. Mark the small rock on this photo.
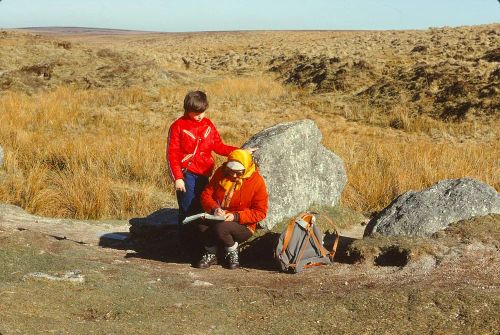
<point>199,283</point>
<point>71,276</point>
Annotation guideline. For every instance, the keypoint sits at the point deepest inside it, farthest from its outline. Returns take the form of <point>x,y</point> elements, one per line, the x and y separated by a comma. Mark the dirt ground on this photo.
<point>146,287</point>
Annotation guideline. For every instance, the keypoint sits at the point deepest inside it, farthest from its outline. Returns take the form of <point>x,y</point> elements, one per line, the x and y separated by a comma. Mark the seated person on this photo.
<point>238,192</point>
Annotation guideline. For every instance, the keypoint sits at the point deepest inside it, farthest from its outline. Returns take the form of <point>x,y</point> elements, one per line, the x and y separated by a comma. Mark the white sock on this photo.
<point>211,250</point>
<point>232,248</point>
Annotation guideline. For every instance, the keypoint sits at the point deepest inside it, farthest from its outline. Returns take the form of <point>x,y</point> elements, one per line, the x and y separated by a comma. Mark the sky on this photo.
<point>221,15</point>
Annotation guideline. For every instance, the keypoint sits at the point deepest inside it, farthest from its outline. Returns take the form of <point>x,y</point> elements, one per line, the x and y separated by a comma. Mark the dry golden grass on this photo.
<point>66,157</point>
<point>95,154</point>
<point>381,169</point>
<point>99,153</point>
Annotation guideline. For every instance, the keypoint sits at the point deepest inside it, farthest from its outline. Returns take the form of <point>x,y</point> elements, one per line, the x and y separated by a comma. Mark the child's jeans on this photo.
<point>189,201</point>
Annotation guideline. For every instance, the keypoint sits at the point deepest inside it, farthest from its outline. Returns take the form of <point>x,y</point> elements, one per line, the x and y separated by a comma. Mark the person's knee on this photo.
<point>220,229</point>
<point>202,228</point>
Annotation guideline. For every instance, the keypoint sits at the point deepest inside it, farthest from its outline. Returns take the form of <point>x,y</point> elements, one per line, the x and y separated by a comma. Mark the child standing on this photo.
<point>191,140</point>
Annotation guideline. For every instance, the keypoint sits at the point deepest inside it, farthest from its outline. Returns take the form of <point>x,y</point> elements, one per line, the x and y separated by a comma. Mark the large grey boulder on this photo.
<point>433,209</point>
<point>298,170</point>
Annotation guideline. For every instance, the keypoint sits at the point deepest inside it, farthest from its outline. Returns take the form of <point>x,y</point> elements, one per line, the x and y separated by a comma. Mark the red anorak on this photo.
<point>249,202</point>
<point>190,144</point>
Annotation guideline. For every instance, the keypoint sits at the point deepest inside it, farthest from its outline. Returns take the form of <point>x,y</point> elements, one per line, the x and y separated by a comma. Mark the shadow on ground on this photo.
<point>155,237</point>
<point>158,237</point>
<point>259,252</point>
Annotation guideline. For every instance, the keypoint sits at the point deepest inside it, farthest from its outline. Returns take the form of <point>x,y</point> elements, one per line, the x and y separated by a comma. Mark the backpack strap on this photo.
<point>288,235</point>
<point>310,265</point>
<point>318,245</point>
<point>337,237</point>
<point>334,247</point>
<point>307,217</point>
<point>303,248</point>
<point>289,231</point>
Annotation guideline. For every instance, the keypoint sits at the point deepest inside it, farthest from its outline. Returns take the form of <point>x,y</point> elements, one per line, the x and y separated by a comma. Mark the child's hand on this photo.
<point>180,186</point>
<point>250,150</point>
<point>229,217</point>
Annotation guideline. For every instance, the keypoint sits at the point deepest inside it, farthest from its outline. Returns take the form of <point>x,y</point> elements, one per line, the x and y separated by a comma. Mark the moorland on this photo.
<point>84,116</point>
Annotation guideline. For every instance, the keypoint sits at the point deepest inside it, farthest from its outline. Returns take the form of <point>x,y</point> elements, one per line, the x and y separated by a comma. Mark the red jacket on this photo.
<point>190,144</point>
<point>249,202</point>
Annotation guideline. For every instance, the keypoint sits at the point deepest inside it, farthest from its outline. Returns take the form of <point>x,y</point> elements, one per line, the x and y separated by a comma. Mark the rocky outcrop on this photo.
<point>447,74</point>
<point>433,209</point>
<point>297,169</point>
<point>155,223</point>
<point>31,63</point>
<point>83,232</point>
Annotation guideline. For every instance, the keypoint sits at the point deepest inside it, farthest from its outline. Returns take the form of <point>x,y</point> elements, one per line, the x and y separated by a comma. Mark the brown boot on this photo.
<point>208,259</point>
<point>232,258</point>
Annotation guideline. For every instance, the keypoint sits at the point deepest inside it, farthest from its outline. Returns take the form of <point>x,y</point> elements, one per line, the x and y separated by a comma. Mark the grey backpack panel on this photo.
<point>301,245</point>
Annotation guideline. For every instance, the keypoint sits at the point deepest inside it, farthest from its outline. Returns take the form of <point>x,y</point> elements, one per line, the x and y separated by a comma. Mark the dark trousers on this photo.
<point>223,232</point>
<point>189,201</point>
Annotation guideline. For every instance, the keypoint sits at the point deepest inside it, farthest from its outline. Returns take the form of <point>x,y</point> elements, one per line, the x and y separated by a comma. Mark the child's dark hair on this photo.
<point>195,101</point>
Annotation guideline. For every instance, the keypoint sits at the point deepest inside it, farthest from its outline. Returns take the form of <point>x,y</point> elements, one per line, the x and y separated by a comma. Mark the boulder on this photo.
<point>298,170</point>
<point>154,224</point>
<point>433,209</point>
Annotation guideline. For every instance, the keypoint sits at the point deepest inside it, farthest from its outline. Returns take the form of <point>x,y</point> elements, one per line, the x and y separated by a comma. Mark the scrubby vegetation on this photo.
<point>84,127</point>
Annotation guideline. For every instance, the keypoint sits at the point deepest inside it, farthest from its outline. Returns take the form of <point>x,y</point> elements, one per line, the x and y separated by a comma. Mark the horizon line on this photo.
<point>237,30</point>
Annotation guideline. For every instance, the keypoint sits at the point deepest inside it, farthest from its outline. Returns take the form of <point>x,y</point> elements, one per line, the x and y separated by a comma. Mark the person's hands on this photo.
<point>229,217</point>
<point>220,212</point>
<point>180,186</point>
<point>251,150</point>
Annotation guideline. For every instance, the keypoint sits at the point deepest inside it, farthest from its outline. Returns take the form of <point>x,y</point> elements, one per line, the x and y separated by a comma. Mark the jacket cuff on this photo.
<point>178,176</point>
<point>236,217</point>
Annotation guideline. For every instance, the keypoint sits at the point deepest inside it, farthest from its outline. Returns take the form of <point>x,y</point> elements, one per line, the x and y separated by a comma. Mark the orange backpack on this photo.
<point>300,245</point>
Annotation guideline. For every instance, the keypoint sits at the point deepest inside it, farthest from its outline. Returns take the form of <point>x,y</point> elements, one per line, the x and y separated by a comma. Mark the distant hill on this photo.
<point>82,30</point>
